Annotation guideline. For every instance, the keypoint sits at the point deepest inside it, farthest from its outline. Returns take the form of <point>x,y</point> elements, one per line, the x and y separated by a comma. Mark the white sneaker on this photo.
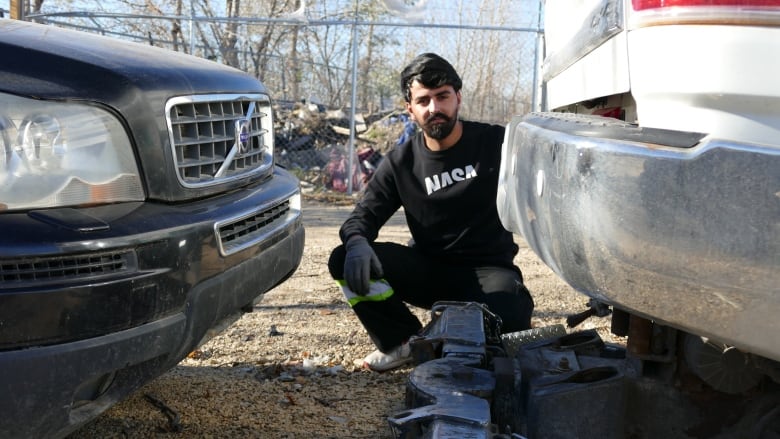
<point>380,362</point>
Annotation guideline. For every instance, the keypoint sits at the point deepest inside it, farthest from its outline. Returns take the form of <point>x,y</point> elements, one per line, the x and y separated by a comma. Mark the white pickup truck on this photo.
<point>651,180</point>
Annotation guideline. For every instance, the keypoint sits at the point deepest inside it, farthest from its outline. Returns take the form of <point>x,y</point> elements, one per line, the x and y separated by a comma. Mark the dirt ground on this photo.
<point>286,369</point>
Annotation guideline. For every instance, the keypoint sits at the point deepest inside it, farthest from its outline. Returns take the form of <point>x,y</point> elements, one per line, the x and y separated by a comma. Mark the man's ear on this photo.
<point>409,109</point>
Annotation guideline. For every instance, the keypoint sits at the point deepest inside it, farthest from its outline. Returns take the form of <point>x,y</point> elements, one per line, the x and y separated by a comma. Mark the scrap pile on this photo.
<point>313,140</point>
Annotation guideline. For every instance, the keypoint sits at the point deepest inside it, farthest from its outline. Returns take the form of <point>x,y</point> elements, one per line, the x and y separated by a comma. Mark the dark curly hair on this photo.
<point>430,70</point>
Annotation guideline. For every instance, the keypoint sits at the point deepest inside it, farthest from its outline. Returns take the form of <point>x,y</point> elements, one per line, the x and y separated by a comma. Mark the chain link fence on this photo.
<point>333,71</point>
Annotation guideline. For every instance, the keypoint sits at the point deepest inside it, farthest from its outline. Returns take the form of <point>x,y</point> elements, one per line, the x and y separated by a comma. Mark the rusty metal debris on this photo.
<point>174,424</point>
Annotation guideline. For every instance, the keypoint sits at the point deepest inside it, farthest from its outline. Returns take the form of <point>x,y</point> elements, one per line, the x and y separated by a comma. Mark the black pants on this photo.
<point>421,281</point>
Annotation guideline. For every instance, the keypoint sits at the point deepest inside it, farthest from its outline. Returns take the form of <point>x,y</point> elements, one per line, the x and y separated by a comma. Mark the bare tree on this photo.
<point>293,64</point>
<point>176,34</point>
<point>305,54</point>
<point>265,39</point>
<point>224,33</point>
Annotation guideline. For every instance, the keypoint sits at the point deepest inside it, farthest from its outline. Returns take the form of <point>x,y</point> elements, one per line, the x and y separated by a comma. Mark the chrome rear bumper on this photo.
<point>676,227</point>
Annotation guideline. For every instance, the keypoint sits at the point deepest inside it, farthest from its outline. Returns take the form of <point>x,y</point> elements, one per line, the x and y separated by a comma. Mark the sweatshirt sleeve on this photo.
<point>379,201</point>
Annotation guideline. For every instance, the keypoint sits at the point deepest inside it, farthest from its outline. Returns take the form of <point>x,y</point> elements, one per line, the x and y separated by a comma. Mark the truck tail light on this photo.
<point>731,12</point>
<point>651,4</point>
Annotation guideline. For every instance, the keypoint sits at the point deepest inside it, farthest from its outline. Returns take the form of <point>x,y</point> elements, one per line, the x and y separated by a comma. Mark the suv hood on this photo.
<point>49,62</point>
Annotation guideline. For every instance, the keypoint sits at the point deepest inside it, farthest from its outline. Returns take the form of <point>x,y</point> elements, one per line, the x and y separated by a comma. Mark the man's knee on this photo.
<point>336,262</point>
<point>514,308</point>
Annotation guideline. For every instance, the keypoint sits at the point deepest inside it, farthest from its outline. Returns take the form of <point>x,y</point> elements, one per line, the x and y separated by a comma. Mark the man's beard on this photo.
<point>440,129</point>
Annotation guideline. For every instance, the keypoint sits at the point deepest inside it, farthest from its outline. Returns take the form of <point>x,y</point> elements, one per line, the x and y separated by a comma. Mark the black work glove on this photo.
<point>360,264</point>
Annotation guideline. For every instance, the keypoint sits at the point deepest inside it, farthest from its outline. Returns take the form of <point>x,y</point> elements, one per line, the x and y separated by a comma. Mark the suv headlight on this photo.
<point>55,154</point>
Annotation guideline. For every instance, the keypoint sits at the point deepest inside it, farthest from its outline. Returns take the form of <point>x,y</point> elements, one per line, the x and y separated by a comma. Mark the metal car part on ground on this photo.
<point>469,381</point>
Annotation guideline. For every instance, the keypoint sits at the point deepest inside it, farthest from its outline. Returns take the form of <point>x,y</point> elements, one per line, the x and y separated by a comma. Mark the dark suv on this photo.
<point>140,209</point>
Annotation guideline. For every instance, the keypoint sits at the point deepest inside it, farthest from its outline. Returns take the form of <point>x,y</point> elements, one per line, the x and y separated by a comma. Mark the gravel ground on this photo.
<point>287,369</point>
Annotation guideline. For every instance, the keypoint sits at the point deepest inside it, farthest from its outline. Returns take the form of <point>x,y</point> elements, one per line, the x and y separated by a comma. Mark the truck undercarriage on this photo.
<point>470,381</point>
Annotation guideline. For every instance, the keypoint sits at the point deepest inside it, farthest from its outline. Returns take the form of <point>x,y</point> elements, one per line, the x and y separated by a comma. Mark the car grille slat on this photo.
<point>204,131</point>
<point>243,232</point>
<point>190,141</point>
<point>63,268</point>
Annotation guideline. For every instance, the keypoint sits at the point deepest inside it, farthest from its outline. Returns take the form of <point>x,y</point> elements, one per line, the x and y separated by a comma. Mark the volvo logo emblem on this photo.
<point>243,128</point>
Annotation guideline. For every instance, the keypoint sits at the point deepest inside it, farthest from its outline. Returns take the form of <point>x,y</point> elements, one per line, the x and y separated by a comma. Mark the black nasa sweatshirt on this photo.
<point>449,198</point>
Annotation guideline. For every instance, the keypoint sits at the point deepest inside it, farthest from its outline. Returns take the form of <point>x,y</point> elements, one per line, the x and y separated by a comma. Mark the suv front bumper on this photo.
<point>76,341</point>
